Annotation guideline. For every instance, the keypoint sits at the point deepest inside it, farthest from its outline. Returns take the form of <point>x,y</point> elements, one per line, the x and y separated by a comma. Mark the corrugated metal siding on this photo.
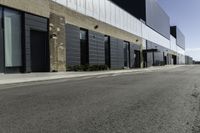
<point>96,48</point>
<point>73,51</point>
<point>32,23</point>
<point>116,53</point>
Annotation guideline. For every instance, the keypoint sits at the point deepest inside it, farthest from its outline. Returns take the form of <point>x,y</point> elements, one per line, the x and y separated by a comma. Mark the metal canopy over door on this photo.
<point>39,54</point>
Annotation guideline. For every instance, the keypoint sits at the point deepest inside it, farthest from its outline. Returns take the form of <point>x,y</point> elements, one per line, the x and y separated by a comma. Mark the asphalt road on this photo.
<point>165,101</point>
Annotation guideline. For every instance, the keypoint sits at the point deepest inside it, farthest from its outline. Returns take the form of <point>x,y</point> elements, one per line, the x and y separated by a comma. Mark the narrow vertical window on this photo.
<point>12,34</point>
<point>84,47</point>
<point>126,54</point>
<point>107,50</point>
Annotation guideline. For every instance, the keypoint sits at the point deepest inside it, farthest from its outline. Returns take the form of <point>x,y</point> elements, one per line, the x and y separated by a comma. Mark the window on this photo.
<point>107,50</point>
<point>83,35</point>
<point>126,54</point>
<point>12,33</point>
<point>84,47</point>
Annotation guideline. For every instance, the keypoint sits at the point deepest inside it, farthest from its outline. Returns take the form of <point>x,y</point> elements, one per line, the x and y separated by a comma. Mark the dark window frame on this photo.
<point>19,68</point>
<point>107,50</point>
<point>84,46</point>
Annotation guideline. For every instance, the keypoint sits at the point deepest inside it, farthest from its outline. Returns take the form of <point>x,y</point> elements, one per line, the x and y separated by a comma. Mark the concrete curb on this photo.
<point>6,79</point>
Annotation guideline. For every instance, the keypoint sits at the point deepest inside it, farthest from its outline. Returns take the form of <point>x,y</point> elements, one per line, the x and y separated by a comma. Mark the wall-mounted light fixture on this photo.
<point>96,27</point>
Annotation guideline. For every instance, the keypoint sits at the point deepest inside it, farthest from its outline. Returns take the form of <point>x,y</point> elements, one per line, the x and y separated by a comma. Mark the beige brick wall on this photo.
<point>39,7</point>
<point>83,21</point>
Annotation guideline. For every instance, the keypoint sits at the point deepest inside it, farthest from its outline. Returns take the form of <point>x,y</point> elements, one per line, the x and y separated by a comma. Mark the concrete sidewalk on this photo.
<point>34,77</point>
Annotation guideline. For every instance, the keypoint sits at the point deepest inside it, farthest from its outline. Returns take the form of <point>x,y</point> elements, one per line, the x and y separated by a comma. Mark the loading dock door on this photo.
<point>39,58</point>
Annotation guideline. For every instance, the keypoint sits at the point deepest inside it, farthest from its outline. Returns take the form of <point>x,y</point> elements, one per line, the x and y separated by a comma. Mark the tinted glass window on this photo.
<point>12,36</point>
<point>83,35</point>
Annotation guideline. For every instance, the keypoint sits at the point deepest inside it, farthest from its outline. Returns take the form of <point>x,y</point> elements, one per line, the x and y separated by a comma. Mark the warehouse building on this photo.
<point>52,35</point>
<point>169,47</point>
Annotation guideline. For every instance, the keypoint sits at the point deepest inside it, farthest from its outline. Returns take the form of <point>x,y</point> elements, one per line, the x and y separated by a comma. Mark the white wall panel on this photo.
<point>81,6</point>
<point>137,27</point>
<point>108,12</point>
<point>72,4</point>
<point>180,50</point>
<point>129,23</point>
<point>117,12</point>
<point>125,20</point>
<point>151,35</point>
<point>132,25</point>
<point>102,10</point>
<point>173,45</point>
<point>89,8</point>
<point>96,9</point>
<point>113,15</point>
<point>121,18</point>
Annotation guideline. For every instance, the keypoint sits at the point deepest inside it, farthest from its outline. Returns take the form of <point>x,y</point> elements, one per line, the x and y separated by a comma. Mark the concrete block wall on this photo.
<point>57,43</point>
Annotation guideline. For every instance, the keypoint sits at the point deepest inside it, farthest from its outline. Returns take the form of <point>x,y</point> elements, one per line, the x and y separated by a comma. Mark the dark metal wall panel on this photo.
<point>150,55</point>
<point>1,44</point>
<point>96,48</point>
<point>132,55</point>
<point>173,31</point>
<point>150,12</point>
<point>155,57</point>
<point>136,8</point>
<point>73,51</point>
<point>121,53</point>
<point>157,19</point>
<point>116,53</point>
<point>133,48</point>
<point>149,59</point>
<point>32,23</point>
<point>158,58</point>
<point>180,38</point>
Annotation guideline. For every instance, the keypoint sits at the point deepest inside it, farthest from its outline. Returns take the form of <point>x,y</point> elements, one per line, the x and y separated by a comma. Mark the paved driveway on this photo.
<point>163,101</point>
